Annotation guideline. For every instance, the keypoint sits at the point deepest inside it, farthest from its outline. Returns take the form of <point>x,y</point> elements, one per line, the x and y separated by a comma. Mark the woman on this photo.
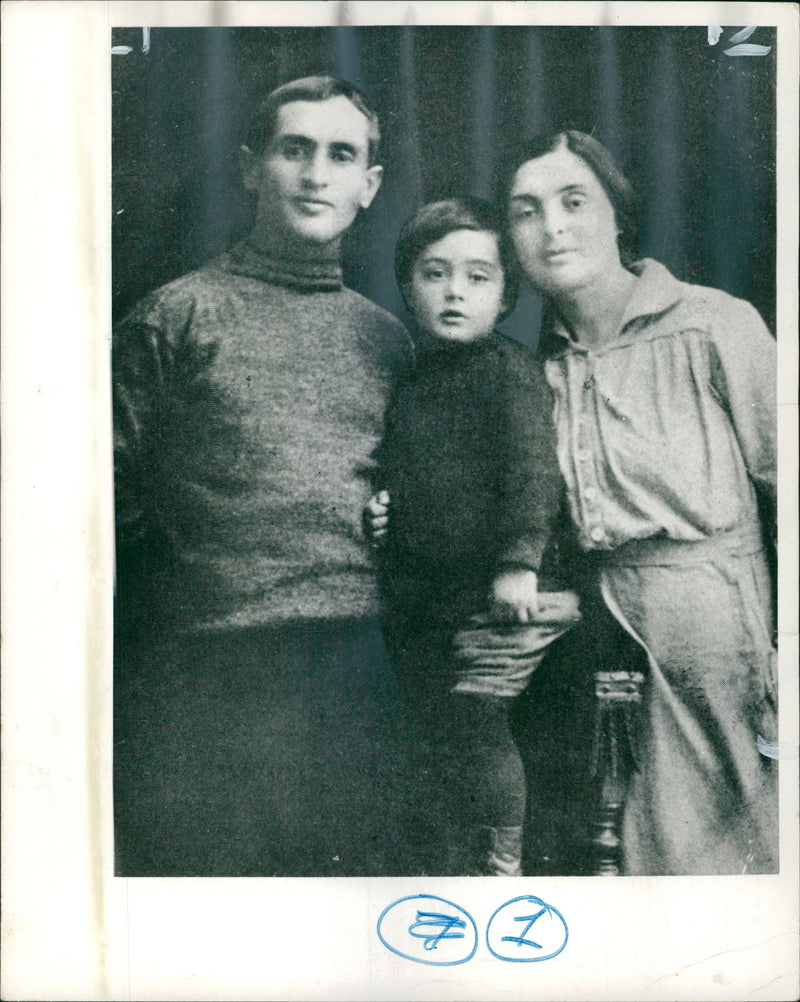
<point>665,415</point>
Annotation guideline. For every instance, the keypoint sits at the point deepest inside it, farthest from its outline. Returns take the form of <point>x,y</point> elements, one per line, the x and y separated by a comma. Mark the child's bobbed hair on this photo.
<point>434,221</point>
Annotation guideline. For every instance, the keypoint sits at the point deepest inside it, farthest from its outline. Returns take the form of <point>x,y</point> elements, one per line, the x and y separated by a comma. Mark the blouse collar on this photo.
<point>655,293</point>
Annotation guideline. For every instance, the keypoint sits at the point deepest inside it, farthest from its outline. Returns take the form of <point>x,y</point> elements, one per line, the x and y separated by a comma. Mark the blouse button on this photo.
<point>598,533</point>
<point>583,455</point>
<point>590,493</point>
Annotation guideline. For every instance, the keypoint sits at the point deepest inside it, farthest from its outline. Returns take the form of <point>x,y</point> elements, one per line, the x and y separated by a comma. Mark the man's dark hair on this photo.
<point>316,88</point>
<point>616,186</point>
<point>433,222</point>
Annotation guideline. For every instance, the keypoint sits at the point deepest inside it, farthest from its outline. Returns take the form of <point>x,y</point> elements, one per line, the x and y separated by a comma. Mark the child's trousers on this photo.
<point>466,770</point>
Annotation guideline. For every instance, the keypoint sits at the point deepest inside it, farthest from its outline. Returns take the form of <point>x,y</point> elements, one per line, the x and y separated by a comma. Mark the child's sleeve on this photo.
<point>531,486</point>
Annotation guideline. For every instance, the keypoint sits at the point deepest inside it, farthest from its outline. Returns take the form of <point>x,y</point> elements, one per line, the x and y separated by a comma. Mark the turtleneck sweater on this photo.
<point>249,397</point>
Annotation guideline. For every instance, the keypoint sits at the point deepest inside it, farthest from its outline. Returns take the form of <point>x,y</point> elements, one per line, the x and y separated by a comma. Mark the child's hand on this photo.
<point>376,517</point>
<point>514,596</point>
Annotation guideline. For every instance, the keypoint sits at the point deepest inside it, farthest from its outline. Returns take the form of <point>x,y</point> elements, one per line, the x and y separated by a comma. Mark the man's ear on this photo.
<point>250,166</point>
<point>374,176</point>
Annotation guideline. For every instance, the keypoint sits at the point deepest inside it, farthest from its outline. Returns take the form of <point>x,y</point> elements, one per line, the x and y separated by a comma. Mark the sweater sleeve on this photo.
<point>383,474</point>
<point>143,363</point>
<point>744,379</point>
<point>531,486</point>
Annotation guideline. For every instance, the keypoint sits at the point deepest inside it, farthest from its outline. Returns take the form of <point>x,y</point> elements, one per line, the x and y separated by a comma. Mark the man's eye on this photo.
<point>293,151</point>
<point>343,156</point>
<point>522,213</point>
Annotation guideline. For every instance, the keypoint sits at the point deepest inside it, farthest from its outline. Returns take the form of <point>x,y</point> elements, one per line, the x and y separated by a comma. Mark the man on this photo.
<point>252,699</point>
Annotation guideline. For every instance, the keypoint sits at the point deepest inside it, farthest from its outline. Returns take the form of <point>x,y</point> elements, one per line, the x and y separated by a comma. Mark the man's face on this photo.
<point>314,176</point>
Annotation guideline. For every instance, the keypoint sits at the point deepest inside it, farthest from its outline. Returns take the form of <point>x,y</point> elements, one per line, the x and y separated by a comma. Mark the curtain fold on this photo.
<point>693,129</point>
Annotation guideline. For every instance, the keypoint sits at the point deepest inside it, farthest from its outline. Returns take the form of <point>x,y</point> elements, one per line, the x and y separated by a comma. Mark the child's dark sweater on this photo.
<point>469,458</point>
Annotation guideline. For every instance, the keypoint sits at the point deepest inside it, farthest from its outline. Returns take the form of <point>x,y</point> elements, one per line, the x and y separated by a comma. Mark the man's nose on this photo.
<point>315,169</point>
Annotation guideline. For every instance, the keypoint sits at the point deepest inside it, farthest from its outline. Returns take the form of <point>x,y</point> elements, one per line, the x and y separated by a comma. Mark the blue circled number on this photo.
<point>526,930</point>
<point>428,930</point>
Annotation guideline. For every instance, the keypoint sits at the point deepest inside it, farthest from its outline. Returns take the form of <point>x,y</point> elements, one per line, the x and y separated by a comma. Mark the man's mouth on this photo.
<point>311,205</point>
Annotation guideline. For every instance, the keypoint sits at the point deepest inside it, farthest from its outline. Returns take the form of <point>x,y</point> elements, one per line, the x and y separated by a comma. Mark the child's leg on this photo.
<point>484,782</point>
<point>486,765</point>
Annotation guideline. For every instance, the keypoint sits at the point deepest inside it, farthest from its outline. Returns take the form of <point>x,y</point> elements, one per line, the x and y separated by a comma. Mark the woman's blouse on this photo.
<point>665,430</point>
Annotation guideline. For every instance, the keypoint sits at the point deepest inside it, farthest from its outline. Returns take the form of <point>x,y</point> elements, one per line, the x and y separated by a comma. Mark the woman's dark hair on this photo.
<point>616,186</point>
<point>434,221</point>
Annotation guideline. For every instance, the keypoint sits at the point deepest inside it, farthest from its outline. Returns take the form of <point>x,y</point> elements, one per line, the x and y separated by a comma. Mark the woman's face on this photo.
<point>562,223</point>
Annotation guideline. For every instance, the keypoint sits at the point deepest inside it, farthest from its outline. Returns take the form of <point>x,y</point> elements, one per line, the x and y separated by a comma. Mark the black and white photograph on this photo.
<point>406,499</point>
<point>416,575</point>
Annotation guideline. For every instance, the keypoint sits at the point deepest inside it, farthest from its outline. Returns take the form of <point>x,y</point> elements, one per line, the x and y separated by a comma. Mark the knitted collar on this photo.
<point>320,271</point>
<point>440,348</point>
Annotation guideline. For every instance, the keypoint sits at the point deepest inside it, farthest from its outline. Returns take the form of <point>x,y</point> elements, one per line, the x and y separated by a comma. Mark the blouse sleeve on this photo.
<point>744,377</point>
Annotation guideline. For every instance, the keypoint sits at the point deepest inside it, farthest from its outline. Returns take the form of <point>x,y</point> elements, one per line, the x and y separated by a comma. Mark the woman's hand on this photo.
<point>515,596</point>
<point>376,517</point>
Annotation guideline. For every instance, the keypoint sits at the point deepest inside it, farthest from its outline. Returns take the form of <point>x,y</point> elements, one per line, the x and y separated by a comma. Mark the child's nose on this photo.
<point>455,287</point>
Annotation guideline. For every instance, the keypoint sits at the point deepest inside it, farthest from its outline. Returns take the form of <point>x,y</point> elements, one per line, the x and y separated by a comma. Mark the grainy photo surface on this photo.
<point>444,437</point>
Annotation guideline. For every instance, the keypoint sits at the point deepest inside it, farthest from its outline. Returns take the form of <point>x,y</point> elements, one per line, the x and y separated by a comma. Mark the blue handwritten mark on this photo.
<point>551,930</point>
<point>520,940</point>
<point>445,923</point>
<point>422,927</point>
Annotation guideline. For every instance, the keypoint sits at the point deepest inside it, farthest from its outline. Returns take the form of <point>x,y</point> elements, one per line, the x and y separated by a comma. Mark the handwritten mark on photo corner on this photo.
<point>736,48</point>
<point>124,50</point>
<point>427,929</point>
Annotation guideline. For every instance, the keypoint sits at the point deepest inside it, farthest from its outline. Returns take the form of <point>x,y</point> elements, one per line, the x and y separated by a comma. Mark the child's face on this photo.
<point>457,286</point>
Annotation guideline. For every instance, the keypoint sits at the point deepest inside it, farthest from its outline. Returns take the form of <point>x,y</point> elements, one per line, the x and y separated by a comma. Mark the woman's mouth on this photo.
<point>452,316</point>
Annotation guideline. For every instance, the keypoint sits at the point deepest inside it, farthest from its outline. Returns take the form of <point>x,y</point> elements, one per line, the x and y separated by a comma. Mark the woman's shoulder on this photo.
<point>691,306</point>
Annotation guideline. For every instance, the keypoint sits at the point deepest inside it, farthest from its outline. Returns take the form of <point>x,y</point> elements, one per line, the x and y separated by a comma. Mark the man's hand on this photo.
<point>514,596</point>
<point>376,517</point>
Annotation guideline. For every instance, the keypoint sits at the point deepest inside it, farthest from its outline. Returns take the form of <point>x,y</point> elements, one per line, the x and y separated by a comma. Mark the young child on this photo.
<point>469,484</point>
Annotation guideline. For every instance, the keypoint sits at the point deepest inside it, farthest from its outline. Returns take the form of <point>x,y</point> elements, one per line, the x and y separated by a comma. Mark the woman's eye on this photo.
<point>478,276</point>
<point>522,213</point>
<point>433,273</point>
<point>574,201</point>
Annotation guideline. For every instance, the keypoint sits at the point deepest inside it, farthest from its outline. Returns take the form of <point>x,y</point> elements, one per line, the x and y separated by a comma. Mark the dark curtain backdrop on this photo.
<point>693,129</point>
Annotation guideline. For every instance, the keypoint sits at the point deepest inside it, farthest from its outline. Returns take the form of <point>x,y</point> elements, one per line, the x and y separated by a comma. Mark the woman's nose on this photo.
<point>553,220</point>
